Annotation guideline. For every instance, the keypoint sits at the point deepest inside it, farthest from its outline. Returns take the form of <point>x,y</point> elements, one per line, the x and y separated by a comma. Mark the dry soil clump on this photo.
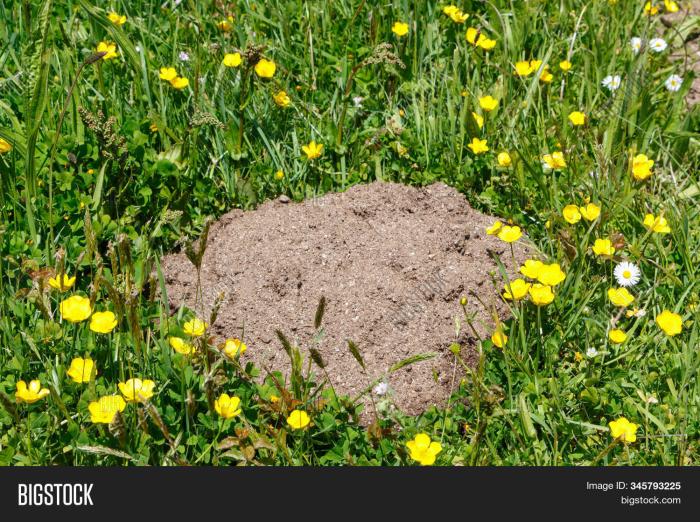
<point>392,262</point>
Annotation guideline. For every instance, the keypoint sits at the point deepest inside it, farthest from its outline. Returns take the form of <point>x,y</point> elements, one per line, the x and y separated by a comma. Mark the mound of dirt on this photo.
<point>392,262</point>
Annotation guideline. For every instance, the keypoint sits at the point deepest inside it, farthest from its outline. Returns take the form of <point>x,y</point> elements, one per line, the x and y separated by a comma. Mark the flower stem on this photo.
<point>29,438</point>
<point>605,451</point>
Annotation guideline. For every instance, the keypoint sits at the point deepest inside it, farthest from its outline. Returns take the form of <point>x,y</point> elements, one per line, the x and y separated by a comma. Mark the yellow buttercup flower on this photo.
<point>531,268</point>
<point>232,59</point>
<point>116,19</point>
<point>67,284</point>
<point>486,43</point>
<point>104,409</point>
<point>498,338</point>
<point>493,229</point>
<point>551,275</point>
<point>195,327</point>
<point>577,118</point>
<point>656,224</point>
<point>670,6</point>
<point>509,233</point>
<point>179,82</point>
<point>137,390</point>
<point>603,247</point>
<point>541,295</point>
<point>5,146</point>
<point>641,167</point>
<point>313,150</point>
<point>620,297</point>
<point>75,309</point>
<point>571,214</point>
<point>282,99</point>
<point>523,68</point>
<point>488,103</point>
<point>103,322</point>
<point>30,394</point>
<point>423,450</point>
<point>565,65</point>
<point>459,17</point>
<point>617,336</point>
<point>475,37</point>
<point>472,34</point>
<point>167,73</point>
<point>265,68</point>
<point>225,25</point>
<point>108,48</point>
<point>590,212</point>
<point>399,28</point>
<point>180,346</point>
<point>554,161</point>
<point>516,290</point>
<point>479,119</point>
<point>671,323</point>
<point>546,76</point>
<point>228,406</point>
<point>298,419</point>
<point>504,159</point>
<point>455,14</point>
<point>526,68</point>
<point>234,348</point>
<point>650,8</point>
<point>81,370</point>
<point>623,429</point>
<point>478,146</point>
<point>535,65</point>
<point>279,175</point>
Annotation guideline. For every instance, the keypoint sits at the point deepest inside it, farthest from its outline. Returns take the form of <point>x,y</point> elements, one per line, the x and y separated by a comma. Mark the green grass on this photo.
<point>106,199</point>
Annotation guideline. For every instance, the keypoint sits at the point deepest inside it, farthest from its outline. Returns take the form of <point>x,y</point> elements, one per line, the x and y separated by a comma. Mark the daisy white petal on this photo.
<point>627,274</point>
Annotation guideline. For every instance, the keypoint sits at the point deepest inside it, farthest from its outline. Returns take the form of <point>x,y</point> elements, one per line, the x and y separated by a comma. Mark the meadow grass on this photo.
<point>106,167</point>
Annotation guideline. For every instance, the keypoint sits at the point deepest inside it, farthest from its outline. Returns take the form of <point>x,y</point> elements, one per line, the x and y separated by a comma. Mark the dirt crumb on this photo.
<point>392,262</point>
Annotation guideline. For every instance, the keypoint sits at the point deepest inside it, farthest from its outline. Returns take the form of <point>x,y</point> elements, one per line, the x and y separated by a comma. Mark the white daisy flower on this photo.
<point>636,44</point>
<point>184,57</point>
<point>673,83</point>
<point>657,45</point>
<point>381,389</point>
<point>612,83</point>
<point>627,274</point>
<point>591,352</point>
<point>357,101</point>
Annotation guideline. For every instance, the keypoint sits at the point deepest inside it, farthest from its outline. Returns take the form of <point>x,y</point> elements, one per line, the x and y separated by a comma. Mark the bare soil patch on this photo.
<point>686,23</point>
<point>392,262</point>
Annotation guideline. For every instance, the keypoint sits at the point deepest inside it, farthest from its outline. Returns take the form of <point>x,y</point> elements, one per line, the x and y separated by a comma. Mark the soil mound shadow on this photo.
<point>392,262</point>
